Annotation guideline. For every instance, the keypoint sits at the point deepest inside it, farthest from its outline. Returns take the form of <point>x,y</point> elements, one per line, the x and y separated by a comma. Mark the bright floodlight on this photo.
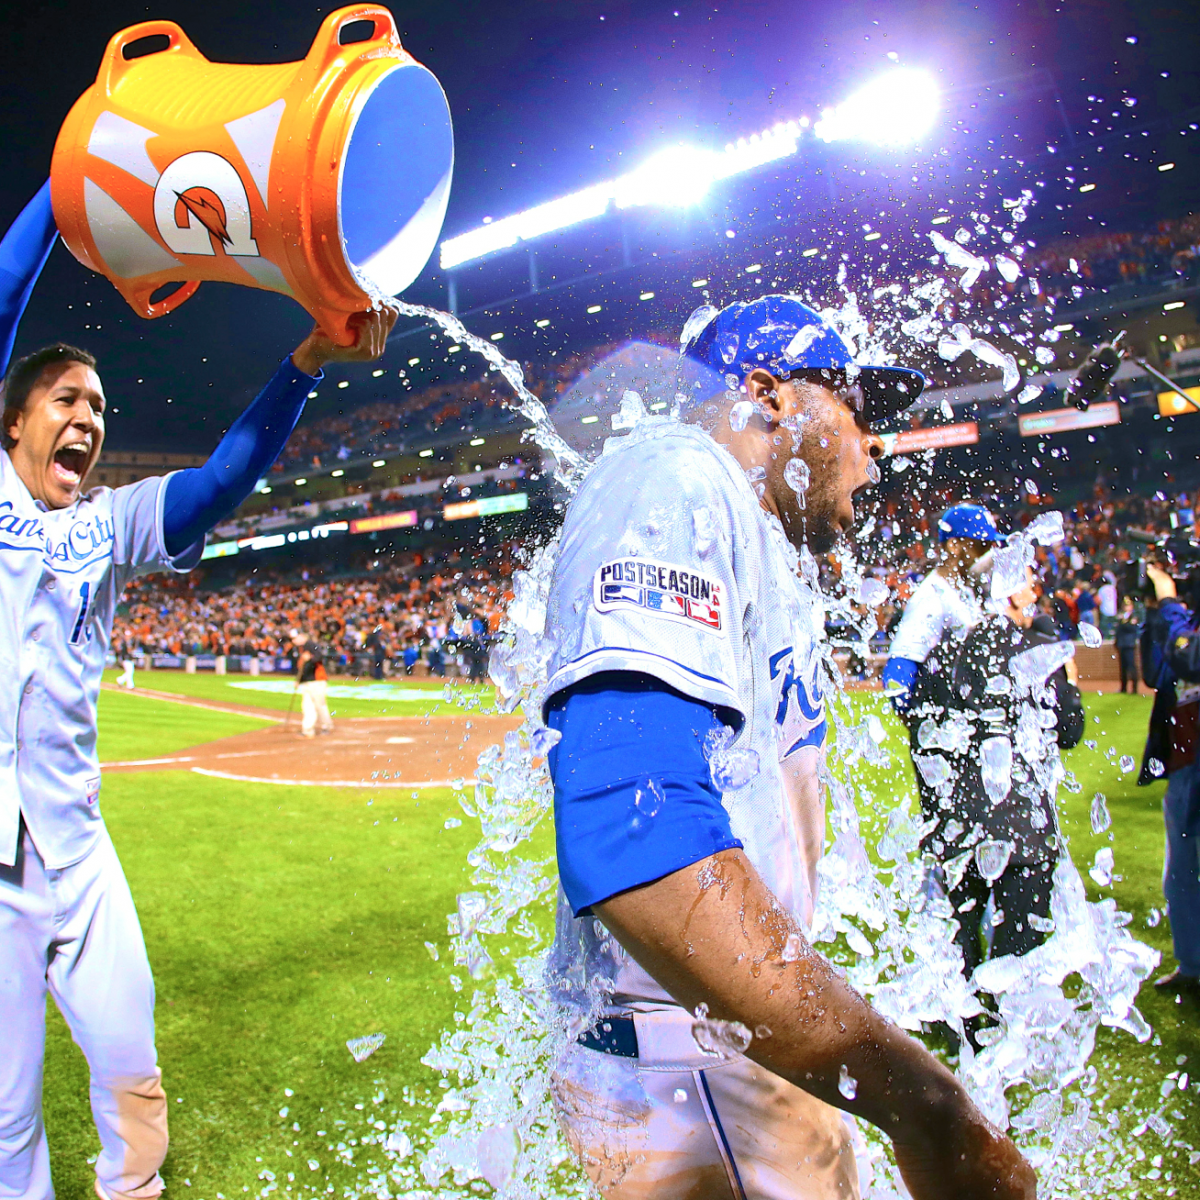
<point>893,110</point>
<point>674,178</point>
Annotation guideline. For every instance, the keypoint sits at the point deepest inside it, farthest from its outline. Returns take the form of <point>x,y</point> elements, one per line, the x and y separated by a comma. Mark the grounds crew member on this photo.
<point>945,601</point>
<point>682,624</point>
<point>67,921</point>
<point>1171,665</point>
<point>990,787</point>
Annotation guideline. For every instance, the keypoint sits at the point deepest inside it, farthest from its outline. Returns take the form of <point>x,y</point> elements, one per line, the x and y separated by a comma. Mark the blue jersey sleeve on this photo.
<point>201,497</point>
<point>23,254</point>
<point>898,677</point>
<point>633,799</point>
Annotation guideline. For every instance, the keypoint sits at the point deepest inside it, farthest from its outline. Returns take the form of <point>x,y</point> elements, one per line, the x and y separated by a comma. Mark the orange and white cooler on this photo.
<point>326,180</point>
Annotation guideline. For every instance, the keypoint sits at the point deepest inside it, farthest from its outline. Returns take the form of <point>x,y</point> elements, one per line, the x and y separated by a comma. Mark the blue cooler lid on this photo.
<point>395,183</point>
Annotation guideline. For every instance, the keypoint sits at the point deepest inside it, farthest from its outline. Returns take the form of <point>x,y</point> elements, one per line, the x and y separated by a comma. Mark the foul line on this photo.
<point>345,783</point>
<point>190,702</point>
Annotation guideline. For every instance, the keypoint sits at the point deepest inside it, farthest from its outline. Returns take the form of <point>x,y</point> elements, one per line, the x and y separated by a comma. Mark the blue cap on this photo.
<point>968,521</point>
<point>784,335</point>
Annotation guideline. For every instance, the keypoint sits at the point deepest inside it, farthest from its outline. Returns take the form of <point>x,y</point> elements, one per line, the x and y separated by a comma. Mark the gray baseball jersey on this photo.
<point>669,565</point>
<point>62,572</point>
<point>935,608</point>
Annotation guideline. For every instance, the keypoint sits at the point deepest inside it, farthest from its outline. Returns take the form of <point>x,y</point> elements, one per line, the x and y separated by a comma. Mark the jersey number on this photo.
<point>85,593</point>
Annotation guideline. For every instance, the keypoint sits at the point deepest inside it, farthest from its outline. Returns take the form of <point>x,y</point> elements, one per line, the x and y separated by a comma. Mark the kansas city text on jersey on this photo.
<point>659,587</point>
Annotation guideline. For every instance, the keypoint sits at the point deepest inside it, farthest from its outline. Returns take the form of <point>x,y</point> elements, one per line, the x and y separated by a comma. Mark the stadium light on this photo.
<point>892,110</point>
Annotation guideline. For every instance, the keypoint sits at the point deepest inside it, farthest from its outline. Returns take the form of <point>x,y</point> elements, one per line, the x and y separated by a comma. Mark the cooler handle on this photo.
<point>326,47</point>
<point>139,297</point>
<point>114,64</point>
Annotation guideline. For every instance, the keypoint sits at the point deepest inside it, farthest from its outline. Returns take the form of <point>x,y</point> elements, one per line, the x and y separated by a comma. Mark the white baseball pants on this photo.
<point>75,933</point>
<point>314,708</point>
<point>675,1125</point>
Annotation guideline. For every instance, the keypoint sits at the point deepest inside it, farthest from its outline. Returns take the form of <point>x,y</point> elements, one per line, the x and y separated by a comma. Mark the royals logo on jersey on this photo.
<point>800,710</point>
<point>666,589</point>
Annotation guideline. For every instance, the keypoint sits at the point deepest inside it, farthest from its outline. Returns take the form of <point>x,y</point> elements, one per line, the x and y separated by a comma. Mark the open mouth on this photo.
<point>70,463</point>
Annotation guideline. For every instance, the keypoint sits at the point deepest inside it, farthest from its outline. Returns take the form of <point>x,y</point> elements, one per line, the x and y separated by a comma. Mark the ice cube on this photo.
<point>1089,634</point>
<point>793,948</point>
<point>1101,869</point>
<point>847,1084</point>
<point>496,1154</point>
<point>679,1096</point>
<point>363,1047</point>
<point>733,769</point>
<point>933,767</point>
<point>543,741</point>
<point>399,1143</point>
<point>721,1039</point>
<point>803,339</point>
<point>995,756</point>
<point>1101,819</point>
<point>1032,667</point>
<point>991,857</point>
<point>631,412</point>
<point>873,592</point>
<point>1127,763</point>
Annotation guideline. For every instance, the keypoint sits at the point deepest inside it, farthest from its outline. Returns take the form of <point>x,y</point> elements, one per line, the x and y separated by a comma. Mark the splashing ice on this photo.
<point>878,919</point>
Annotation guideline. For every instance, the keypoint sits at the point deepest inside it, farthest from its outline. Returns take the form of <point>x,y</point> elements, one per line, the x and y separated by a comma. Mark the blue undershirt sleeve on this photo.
<point>633,799</point>
<point>23,254</point>
<point>201,497</point>
<point>898,677</point>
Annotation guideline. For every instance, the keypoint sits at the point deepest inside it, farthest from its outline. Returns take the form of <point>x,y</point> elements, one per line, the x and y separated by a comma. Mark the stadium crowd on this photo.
<point>387,616</point>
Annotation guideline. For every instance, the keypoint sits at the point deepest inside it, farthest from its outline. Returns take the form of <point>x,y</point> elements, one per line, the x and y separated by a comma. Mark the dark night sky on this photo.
<point>547,98</point>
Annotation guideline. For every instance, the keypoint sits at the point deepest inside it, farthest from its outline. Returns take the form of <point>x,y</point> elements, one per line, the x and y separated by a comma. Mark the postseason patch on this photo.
<point>662,588</point>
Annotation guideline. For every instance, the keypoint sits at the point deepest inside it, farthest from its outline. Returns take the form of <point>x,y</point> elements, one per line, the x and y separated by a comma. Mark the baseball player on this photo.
<point>686,685</point>
<point>946,600</point>
<point>67,920</point>
<point>312,684</point>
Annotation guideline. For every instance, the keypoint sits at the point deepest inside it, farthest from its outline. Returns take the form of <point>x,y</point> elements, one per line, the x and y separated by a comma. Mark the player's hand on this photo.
<point>1164,585</point>
<point>968,1158</point>
<point>371,330</point>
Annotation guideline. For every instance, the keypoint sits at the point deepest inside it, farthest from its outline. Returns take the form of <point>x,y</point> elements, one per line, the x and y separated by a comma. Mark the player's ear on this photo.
<point>765,390</point>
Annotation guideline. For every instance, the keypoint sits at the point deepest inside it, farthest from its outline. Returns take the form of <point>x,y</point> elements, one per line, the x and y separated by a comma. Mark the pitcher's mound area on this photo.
<point>392,752</point>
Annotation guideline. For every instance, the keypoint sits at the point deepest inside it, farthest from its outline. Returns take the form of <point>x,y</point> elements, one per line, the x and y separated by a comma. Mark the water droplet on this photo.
<point>847,1084</point>
<point>648,797</point>
<point>740,414</point>
<point>797,476</point>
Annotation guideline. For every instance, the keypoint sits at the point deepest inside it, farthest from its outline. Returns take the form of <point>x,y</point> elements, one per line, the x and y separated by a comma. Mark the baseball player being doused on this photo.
<point>67,920</point>
<point>686,685</point>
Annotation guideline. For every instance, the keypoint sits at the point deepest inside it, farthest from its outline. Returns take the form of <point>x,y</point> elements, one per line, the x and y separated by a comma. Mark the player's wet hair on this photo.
<point>25,372</point>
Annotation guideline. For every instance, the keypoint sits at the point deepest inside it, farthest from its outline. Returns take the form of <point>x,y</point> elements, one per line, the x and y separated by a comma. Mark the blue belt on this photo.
<point>613,1035</point>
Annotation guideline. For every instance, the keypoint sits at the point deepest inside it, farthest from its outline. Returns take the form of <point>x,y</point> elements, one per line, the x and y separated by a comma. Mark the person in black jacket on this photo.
<point>1126,637</point>
<point>1171,665</point>
<point>993,715</point>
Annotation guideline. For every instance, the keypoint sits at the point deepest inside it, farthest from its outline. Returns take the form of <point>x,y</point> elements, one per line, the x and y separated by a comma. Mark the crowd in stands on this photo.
<point>389,615</point>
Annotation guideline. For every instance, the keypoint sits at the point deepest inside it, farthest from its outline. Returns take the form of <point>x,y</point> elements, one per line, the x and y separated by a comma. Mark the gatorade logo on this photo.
<point>200,203</point>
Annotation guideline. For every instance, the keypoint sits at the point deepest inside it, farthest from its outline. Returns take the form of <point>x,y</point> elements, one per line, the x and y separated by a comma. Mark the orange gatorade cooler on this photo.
<point>326,180</point>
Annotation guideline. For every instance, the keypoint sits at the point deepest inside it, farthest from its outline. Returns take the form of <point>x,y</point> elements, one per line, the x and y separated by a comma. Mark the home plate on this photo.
<point>400,741</point>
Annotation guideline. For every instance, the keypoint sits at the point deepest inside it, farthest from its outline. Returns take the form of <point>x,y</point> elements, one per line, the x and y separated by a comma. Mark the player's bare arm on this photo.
<point>714,934</point>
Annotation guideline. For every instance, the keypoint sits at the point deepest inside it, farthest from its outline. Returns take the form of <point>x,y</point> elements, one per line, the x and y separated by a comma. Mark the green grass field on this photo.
<point>283,921</point>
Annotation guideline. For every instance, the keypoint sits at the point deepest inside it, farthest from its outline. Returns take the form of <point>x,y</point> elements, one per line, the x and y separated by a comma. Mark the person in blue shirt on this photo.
<point>1170,650</point>
<point>68,926</point>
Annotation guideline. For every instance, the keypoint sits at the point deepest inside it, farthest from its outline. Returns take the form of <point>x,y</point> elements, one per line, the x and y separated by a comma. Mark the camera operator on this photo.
<point>1171,665</point>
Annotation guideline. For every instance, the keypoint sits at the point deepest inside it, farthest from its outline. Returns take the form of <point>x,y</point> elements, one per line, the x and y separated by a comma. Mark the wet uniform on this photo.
<point>669,571</point>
